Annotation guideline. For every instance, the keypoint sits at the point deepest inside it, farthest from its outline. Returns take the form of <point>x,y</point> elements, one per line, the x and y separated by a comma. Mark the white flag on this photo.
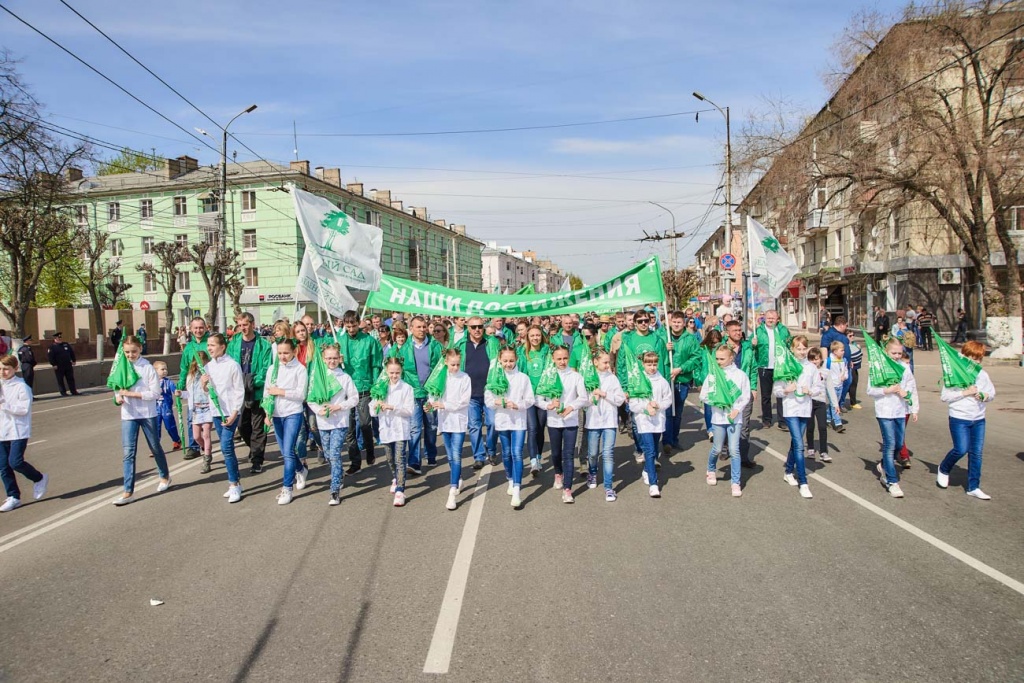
<point>566,285</point>
<point>317,286</point>
<point>339,246</point>
<point>769,260</point>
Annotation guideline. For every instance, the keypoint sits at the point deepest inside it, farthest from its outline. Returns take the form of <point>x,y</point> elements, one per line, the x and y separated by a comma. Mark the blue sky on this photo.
<point>578,195</point>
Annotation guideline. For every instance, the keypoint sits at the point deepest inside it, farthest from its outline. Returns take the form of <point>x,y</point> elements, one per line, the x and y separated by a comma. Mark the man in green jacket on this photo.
<point>746,361</point>
<point>767,337</point>
<point>478,352</point>
<point>419,356</point>
<point>363,359</point>
<point>196,342</point>
<point>685,350</point>
<point>253,353</point>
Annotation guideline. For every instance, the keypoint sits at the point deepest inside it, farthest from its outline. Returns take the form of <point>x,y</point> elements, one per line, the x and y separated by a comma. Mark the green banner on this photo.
<point>638,286</point>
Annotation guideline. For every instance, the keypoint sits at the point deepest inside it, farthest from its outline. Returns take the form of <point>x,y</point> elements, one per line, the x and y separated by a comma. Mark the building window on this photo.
<point>508,265</point>
<point>114,212</point>
<point>149,283</point>
<point>146,209</point>
<point>252,277</point>
<point>1016,217</point>
<point>118,282</point>
<point>181,281</point>
<point>210,205</point>
<point>147,245</point>
<point>249,200</point>
<point>181,240</point>
<point>414,255</point>
<point>82,215</point>
<point>211,236</point>
<point>249,240</point>
<point>116,247</point>
<point>180,206</point>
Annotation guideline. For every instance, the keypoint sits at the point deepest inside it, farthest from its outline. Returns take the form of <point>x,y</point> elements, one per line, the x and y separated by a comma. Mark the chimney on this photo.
<point>355,188</point>
<point>187,164</point>
<point>300,166</point>
<point>459,229</point>
<point>382,196</point>
<point>72,174</point>
<point>172,168</point>
<point>333,176</point>
<point>441,222</point>
<point>420,212</point>
<point>319,172</point>
<point>397,204</point>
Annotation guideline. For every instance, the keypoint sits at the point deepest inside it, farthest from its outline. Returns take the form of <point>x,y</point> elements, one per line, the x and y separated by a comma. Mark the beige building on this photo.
<point>716,283</point>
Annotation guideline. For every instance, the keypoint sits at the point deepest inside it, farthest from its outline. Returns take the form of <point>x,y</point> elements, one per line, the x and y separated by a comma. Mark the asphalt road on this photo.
<point>694,586</point>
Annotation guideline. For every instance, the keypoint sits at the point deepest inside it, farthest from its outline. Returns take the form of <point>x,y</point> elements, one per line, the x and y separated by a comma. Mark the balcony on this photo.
<point>816,222</point>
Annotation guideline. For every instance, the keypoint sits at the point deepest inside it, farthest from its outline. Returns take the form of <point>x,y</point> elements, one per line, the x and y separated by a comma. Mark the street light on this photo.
<point>728,169</point>
<point>222,223</point>
<point>672,260</point>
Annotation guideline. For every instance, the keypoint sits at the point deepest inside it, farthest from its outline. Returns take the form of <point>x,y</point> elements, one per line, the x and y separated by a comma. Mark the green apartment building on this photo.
<point>179,203</point>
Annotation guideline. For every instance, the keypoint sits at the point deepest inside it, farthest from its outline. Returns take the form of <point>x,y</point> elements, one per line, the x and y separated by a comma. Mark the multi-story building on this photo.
<point>505,269</point>
<point>715,283</point>
<point>550,277</point>
<point>180,204</point>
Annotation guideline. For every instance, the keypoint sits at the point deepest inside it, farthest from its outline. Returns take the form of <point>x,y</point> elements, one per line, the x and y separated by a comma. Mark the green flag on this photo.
<point>958,371</point>
<point>123,374</point>
<point>787,367</point>
<point>550,383</point>
<point>591,380</point>
<point>323,385</point>
<point>497,381</point>
<point>267,403</point>
<point>722,391</point>
<point>210,390</point>
<point>637,383</point>
<point>438,379</point>
<point>528,289</point>
<point>882,370</point>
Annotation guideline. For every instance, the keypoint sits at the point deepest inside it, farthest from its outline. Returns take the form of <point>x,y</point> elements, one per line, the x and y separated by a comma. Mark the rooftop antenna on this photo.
<point>295,141</point>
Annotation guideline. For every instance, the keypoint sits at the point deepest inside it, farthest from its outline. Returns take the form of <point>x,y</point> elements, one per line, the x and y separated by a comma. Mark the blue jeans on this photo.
<point>398,456</point>
<point>333,439</point>
<point>130,441</point>
<point>12,459</point>
<point>893,432</point>
<point>563,453</point>
<point>649,447</point>
<point>834,416</point>
<point>732,434</point>
<point>424,428</point>
<point>512,454</point>
<point>479,417</point>
<point>795,457</point>
<point>968,438</point>
<point>305,430</point>
<point>674,416</point>
<point>227,447</point>
<point>286,429</point>
<point>707,417</point>
<point>845,389</point>
<point>192,443</point>
<point>602,441</point>
<point>453,442</point>
<point>536,423</point>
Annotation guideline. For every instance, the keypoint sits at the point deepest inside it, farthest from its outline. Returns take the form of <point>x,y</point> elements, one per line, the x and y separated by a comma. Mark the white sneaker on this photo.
<point>235,493</point>
<point>123,500</point>
<point>825,457</point>
<point>284,497</point>
<point>711,478</point>
<point>399,499</point>
<point>942,480</point>
<point>508,489</point>
<point>895,491</point>
<point>459,488</point>
<point>300,478</point>
<point>451,504</point>
<point>39,488</point>
<point>979,494</point>
<point>609,495</point>
<point>558,482</point>
<point>805,491</point>
<point>790,479</point>
<point>810,453</point>
<point>10,504</point>
<point>516,500</point>
<point>639,457</point>
<point>881,474</point>
<point>737,490</point>
<point>227,494</point>
<point>647,481</point>
<point>567,496</point>
<point>654,491</point>
<point>394,485</point>
<point>160,488</point>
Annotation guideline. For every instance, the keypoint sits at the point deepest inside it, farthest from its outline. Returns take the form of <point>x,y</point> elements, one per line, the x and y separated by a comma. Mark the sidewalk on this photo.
<point>920,356</point>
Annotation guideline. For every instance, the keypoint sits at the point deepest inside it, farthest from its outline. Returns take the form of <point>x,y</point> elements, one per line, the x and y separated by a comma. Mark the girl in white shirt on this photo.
<point>649,418</point>
<point>453,419</point>
<point>891,410</point>
<point>138,411</point>
<point>510,420</point>
<point>395,416</point>
<point>223,378</point>
<point>332,418</point>
<point>15,430</point>
<point>563,421</point>
<point>200,412</point>
<point>602,421</point>
<point>290,392</point>
<point>796,411</point>
<point>727,425</point>
<point>967,424</point>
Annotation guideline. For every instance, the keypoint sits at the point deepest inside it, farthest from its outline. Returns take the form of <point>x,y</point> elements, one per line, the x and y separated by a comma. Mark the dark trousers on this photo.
<point>563,451</point>
<point>28,373</point>
<point>960,336</point>
<point>250,428</point>
<point>926,339</point>
<point>766,378</point>
<point>819,419</point>
<point>66,374</point>
<point>363,410</point>
<point>12,459</point>
<point>854,379</point>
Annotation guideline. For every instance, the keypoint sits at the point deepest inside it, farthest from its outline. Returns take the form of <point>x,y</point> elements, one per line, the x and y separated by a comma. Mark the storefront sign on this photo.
<point>277,297</point>
<point>849,270</point>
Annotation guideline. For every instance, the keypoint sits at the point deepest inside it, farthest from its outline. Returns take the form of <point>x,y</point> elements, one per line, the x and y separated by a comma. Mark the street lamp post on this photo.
<point>221,204</point>
<point>728,169</point>
<point>674,253</point>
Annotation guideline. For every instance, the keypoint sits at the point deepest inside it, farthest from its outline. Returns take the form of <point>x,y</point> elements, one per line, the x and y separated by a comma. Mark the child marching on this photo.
<point>285,387</point>
<point>509,393</point>
<point>452,406</point>
<point>222,378</point>
<point>394,408</point>
<point>165,406</point>
<point>892,386</point>
<point>332,416</point>
<point>602,420</point>
<point>15,430</point>
<point>819,413</point>
<point>199,411</point>
<point>797,396</point>
<point>648,407</point>
<point>563,421</point>
<point>533,358</point>
<point>967,389</point>
<point>727,390</point>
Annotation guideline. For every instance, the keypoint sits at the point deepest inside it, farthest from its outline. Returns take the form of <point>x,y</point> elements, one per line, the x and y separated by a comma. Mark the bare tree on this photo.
<point>96,271</point>
<point>218,267</point>
<point>165,267</point>
<point>679,285</point>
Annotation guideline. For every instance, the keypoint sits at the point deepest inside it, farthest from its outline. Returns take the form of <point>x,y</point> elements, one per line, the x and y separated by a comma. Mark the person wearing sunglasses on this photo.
<point>478,352</point>
<point>640,340</point>
<point>892,406</point>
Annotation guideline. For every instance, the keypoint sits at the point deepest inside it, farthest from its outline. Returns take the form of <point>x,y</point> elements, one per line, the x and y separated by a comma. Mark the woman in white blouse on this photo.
<point>15,430</point>
<point>138,411</point>
<point>289,392</point>
<point>453,419</point>
<point>223,378</point>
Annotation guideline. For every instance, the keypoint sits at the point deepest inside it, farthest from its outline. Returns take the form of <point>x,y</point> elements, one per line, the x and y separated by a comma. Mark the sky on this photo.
<point>356,78</point>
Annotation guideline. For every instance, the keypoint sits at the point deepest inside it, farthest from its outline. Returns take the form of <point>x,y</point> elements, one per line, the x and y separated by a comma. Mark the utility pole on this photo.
<point>728,171</point>
<point>673,255</point>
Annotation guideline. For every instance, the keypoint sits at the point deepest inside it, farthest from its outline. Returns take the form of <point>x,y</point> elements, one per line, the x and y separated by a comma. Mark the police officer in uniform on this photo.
<point>62,358</point>
<point>27,359</point>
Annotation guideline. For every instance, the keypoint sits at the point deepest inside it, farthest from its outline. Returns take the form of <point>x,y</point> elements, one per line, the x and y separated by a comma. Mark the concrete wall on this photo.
<point>91,374</point>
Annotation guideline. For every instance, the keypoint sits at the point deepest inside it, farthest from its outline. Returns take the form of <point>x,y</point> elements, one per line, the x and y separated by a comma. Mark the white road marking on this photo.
<point>33,443</point>
<point>75,405</point>
<point>907,526</point>
<point>439,656</point>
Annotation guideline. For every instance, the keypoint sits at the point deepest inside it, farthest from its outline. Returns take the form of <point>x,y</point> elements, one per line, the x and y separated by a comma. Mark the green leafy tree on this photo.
<point>60,285</point>
<point>129,161</point>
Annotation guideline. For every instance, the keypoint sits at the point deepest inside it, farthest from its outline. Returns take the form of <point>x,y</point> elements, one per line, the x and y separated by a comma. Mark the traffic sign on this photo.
<point>144,305</point>
<point>186,298</point>
<point>727,261</point>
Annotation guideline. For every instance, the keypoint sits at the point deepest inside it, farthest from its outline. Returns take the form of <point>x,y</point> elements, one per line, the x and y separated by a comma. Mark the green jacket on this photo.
<point>748,362</point>
<point>641,344</point>
<point>188,354</point>
<point>408,356</point>
<point>363,359</point>
<point>534,365</point>
<point>262,357</point>
<point>612,331</point>
<point>493,345</point>
<point>782,336</point>
<point>579,347</point>
<point>685,355</point>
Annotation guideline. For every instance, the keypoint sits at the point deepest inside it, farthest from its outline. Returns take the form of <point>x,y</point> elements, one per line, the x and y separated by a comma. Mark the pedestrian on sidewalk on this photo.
<point>27,360</point>
<point>925,321</point>
<point>453,420</point>
<point>961,327</point>
<point>332,418</point>
<point>893,405</point>
<point>602,419</point>
<point>881,324</point>
<point>967,424</point>
<point>62,357</point>
<point>796,410</point>
<point>15,430</point>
